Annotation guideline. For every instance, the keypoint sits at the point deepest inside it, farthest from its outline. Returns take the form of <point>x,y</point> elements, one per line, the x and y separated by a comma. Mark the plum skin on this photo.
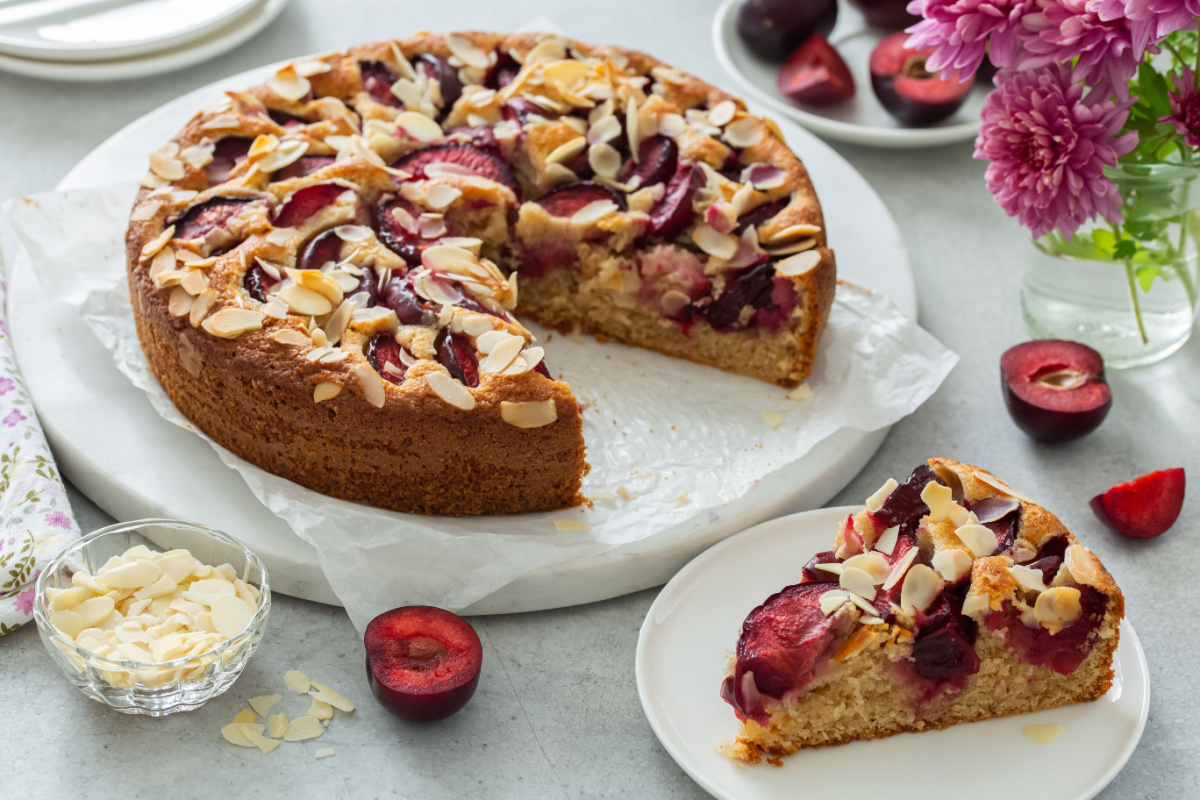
<point>772,29</point>
<point>1051,427</point>
<point>422,707</point>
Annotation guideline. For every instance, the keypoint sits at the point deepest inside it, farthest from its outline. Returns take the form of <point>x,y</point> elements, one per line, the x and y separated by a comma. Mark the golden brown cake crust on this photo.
<point>254,394</point>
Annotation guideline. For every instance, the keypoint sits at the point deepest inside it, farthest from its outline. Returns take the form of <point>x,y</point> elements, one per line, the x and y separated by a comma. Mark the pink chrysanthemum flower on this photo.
<point>1048,149</point>
<point>963,31</point>
<point>1151,21</point>
<point>1185,102</point>
<point>1059,30</point>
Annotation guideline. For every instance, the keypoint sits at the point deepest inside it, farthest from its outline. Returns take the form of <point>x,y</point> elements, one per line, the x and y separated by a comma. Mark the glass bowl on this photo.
<point>155,689</point>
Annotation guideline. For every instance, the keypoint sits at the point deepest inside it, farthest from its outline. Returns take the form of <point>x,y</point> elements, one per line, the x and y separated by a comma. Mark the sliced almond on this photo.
<point>832,600</point>
<point>952,564</point>
<point>466,51</point>
<point>262,705</point>
<point>720,245</point>
<point>326,391</point>
<point>570,525</point>
<point>773,418</point>
<point>450,390</point>
<point>327,695</point>
<point>179,304</point>
<point>1028,578</point>
<point>289,84</point>
<point>194,282</point>
<point>1081,565</point>
<point>872,563</point>
<point>441,195</point>
<point>502,354</point>
<point>744,132</point>
<point>921,586</point>
<point>799,264</point>
<point>303,728</point>
<point>875,501</point>
<point>290,337</point>
<point>1043,734</point>
<point>594,212</point>
<point>939,498</point>
<point>534,414</point>
<point>305,301</point>
<point>372,385</point>
<point>859,581</point>
<point>1001,486</point>
<point>801,393</point>
<point>1057,608</point>
<point>900,569</point>
<point>277,725</point>
<point>229,323</point>
<point>419,127</point>
<point>152,247</point>
<point>297,681</point>
<point>166,167</point>
<point>722,113</point>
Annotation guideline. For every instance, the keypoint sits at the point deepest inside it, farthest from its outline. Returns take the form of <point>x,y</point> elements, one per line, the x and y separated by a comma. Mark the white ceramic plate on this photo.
<point>94,30</point>
<point>130,465</point>
<point>681,659</point>
<point>861,120</point>
<point>227,37</point>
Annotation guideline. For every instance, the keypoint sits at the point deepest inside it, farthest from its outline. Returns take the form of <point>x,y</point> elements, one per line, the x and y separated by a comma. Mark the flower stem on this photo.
<point>1133,296</point>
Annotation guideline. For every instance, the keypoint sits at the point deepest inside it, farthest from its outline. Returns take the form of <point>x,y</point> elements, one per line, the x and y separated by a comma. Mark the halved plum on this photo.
<point>484,163</point>
<point>751,287</point>
<point>227,154</point>
<point>457,354</point>
<point>501,73</point>
<point>757,216</point>
<point>285,119</point>
<point>909,92</point>
<point>816,75</point>
<point>658,158</point>
<point>904,505</point>
<point>200,219</point>
<point>306,202</point>
<point>565,201</point>
<point>320,250</point>
<point>423,662</point>
<point>257,283</point>
<point>410,309</point>
<point>944,654</point>
<point>1055,390</point>
<point>383,351</point>
<point>773,28</point>
<point>402,241</point>
<point>377,78</point>
<point>305,165</point>
<point>438,69</point>
<point>673,213</point>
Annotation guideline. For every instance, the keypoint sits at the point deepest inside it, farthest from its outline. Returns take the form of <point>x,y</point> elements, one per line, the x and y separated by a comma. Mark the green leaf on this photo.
<point>1125,249</point>
<point>1146,275</point>
<point>1152,91</point>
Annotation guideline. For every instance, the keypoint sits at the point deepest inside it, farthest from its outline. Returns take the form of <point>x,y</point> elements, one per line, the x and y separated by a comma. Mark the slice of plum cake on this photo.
<point>950,598</point>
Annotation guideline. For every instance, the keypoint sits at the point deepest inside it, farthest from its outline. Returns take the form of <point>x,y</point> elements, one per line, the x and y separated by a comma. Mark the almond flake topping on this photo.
<point>605,129</point>
<point>291,337</point>
<point>593,212</point>
<point>858,581</point>
<point>289,84</point>
<point>167,167</point>
<point>180,302</point>
<point>886,543</point>
<point>720,245</point>
<point>287,153</point>
<point>157,243</point>
<point>901,567</point>
<point>773,418</point>
<point>534,414</point>
<point>952,564</point>
<point>921,586</point>
<point>939,498</point>
<point>371,383</point>
<point>308,69</point>
<point>326,391</point>
<point>832,600</point>
<point>502,354</point>
<point>229,323</point>
<point>999,485</point>
<point>875,501</point>
<point>1043,734</point>
<point>604,160</point>
<point>872,563</point>
<point>978,539</point>
<point>419,127</point>
<point>144,212</point>
<point>743,133</point>
<point>1032,579</point>
<point>201,305</point>
<point>194,282</point>
<point>799,264</point>
<point>305,301</point>
<point>1080,565</point>
<point>567,151</point>
<point>441,195</point>
<point>1057,608</point>
<point>450,390</point>
<point>570,525</point>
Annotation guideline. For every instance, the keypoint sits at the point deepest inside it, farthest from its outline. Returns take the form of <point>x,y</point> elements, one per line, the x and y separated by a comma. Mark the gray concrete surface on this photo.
<point>557,713</point>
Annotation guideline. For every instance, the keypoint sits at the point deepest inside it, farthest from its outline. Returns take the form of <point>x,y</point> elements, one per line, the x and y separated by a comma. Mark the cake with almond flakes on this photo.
<point>950,598</point>
<point>327,269</point>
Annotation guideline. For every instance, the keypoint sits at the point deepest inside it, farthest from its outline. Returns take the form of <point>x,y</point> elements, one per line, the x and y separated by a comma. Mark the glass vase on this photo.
<point>1127,290</point>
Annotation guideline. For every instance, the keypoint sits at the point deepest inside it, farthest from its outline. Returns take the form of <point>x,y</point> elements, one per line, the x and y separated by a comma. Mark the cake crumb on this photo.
<point>1043,734</point>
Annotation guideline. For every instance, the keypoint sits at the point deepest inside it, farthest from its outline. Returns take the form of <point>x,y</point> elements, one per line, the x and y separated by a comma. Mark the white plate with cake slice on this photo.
<point>682,658</point>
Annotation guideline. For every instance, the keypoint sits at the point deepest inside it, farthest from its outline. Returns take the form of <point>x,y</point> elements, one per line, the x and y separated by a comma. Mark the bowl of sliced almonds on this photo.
<point>154,616</point>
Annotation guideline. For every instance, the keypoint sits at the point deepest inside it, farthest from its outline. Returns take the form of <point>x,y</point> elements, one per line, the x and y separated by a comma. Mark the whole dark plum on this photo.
<point>774,28</point>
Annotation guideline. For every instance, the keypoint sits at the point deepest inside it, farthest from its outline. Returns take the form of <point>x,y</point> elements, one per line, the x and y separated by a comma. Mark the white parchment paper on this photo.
<point>667,440</point>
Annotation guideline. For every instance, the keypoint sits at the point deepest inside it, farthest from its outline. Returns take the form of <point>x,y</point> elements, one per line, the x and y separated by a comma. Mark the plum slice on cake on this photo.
<point>950,598</point>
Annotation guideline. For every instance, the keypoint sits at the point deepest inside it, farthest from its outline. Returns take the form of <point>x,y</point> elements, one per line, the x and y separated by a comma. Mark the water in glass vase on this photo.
<point>1127,290</point>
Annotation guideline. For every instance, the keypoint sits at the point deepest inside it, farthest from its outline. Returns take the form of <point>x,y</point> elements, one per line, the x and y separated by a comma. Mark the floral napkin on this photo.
<point>35,515</point>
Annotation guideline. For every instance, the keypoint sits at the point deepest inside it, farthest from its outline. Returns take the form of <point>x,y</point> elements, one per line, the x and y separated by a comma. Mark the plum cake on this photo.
<point>950,598</point>
<point>327,269</point>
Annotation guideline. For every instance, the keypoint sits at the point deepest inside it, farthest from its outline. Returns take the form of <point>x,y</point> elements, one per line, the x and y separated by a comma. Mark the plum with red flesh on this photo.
<point>423,663</point>
<point>306,202</point>
<point>658,158</point>
<point>752,287</point>
<point>815,75</point>
<point>457,355</point>
<point>757,216</point>
<point>565,201</point>
<point>890,14</point>
<point>774,28</point>
<point>908,91</point>
<point>1144,507</point>
<point>438,69</point>
<point>305,165</point>
<point>672,214</point>
<point>383,351</point>
<point>501,73</point>
<point>410,309</point>
<point>227,154</point>
<point>320,250</point>
<point>484,163</point>
<point>257,283</point>
<point>285,119</point>
<point>199,220</point>
<point>1055,390</point>
<point>377,78</point>
<point>396,237</point>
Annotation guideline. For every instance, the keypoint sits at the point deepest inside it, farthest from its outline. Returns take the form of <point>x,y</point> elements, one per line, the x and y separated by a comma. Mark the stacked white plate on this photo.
<point>106,40</point>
